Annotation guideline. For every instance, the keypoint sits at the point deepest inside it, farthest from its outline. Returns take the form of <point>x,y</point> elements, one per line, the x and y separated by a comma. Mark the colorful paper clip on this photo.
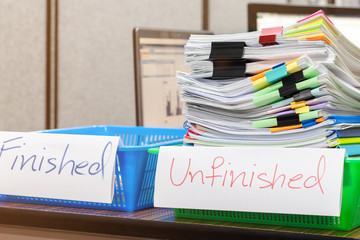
<point>268,35</point>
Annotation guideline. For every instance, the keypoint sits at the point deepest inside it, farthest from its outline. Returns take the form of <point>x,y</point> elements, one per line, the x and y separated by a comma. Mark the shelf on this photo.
<point>150,223</point>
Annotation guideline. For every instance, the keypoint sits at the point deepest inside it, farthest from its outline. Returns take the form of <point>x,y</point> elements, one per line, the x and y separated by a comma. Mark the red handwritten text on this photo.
<point>220,174</point>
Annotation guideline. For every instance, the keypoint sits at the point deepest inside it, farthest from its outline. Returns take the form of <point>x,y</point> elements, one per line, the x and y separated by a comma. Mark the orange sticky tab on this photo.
<point>279,129</point>
<point>319,120</point>
<point>319,37</point>
<point>257,76</point>
<point>297,104</point>
<point>200,128</point>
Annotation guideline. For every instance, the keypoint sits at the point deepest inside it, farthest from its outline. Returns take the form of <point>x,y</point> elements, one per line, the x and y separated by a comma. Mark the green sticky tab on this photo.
<point>266,99</point>
<point>310,72</point>
<point>309,83</point>
<point>276,74</point>
<point>309,115</point>
<point>268,89</point>
<point>303,30</point>
<point>264,123</point>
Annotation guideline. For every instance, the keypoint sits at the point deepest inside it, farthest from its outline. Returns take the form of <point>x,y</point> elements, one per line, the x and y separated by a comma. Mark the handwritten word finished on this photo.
<point>55,164</point>
<point>219,173</point>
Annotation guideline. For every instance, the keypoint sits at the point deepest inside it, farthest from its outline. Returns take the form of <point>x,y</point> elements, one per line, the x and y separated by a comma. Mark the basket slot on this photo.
<point>116,193</point>
<point>146,194</point>
<point>134,142</point>
<point>123,199</point>
<point>124,139</point>
<point>130,140</point>
<point>268,218</point>
<point>163,138</point>
<point>140,140</point>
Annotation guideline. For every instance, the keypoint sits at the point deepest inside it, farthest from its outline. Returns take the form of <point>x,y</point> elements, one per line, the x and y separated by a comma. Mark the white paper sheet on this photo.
<point>272,180</point>
<point>61,166</point>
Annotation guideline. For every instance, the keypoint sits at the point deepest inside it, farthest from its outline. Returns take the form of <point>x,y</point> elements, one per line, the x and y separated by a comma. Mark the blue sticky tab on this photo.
<point>351,149</point>
<point>308,123</point>
<point>344,119</point>
<point>278,65</point>
<point>276,74</point>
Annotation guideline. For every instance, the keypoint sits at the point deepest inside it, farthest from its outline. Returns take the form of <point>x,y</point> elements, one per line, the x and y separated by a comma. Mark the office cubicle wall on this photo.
<point>85,76</point>
<point>230,16</point>
<point>22,65</point>
<point>95,60</point>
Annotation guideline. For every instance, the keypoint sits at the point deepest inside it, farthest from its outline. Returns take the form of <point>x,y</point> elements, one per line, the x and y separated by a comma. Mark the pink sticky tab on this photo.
<point>314,14</point>
<point>272,31</point>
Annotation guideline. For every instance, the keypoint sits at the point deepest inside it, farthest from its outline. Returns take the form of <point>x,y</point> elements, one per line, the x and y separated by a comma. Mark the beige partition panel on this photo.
<point>22,64</point>
<point>95,63</point>
<point>230,16</point>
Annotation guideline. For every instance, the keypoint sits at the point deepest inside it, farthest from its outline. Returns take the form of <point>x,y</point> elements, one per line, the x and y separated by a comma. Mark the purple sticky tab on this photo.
<point>285,113</point>
<point>314,14</point>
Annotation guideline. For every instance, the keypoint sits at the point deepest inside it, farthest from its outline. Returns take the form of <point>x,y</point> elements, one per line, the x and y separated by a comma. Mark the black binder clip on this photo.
<point>227,50</point>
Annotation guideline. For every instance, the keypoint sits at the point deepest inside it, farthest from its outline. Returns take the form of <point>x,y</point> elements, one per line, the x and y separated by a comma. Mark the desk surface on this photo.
<point>151,223</point>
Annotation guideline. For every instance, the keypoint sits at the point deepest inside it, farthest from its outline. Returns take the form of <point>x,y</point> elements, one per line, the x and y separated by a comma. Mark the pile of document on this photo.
<point>297,86</point>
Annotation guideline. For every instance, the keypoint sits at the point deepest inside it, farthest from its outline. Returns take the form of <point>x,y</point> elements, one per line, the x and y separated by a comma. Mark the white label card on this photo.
<point>269,180</point>
<point>61,166</point>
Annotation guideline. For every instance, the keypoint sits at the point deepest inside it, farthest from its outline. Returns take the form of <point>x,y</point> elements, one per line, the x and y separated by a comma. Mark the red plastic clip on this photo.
<point>268,35</point>
<point>268,40</point>
<point>187,136</point>
<point>189,130</point>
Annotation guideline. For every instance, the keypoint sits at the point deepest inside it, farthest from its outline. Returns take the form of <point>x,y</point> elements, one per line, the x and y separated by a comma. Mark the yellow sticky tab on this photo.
<point>306,28</point>
<point>302,110</point>
<point>261,83</point>
<point>292,68</point>
<point>315,23</point>
<point>311,27</point>
<point>333,143</point>
<point>295,60</point>
<point>324,23</point>
<point>301,32</point>
<point>299,104</point>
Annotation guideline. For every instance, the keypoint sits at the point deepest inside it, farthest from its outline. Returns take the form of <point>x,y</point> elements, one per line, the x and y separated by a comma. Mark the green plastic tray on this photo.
<point>349,216</point>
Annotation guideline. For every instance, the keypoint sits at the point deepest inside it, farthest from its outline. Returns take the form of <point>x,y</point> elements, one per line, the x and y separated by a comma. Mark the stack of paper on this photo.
<point>348,139</point>
<point>284,87</point>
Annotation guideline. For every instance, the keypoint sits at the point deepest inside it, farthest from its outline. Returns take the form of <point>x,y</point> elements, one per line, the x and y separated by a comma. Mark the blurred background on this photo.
<point>71,63</point>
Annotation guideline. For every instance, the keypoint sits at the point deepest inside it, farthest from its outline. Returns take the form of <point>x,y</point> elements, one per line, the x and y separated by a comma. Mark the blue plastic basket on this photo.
<point>134,167</point>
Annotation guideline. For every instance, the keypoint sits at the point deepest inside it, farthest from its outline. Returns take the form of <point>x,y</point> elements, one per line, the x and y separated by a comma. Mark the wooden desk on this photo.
<point>151,223</point>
